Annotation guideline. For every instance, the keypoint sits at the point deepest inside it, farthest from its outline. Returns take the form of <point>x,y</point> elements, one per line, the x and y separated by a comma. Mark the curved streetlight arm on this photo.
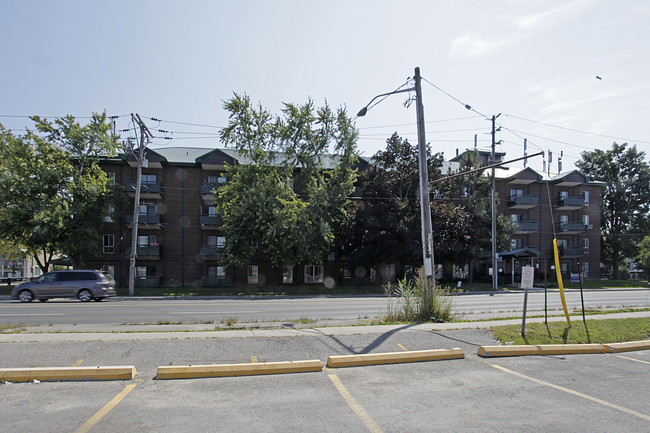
<point>364,110</point>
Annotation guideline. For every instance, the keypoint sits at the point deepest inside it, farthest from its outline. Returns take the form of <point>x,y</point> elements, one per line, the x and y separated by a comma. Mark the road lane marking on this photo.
<point>213,312</point>
<point>402,347</point>
<point>33,314</point>
<point>106,409</point>
<point>572,392</point>
<point>356,407</point>
<point>632,359</point>
<point>78,363</point>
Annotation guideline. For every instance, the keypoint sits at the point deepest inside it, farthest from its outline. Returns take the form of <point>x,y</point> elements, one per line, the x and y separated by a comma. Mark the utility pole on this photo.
<point>144,132</point>
<point>425,206</point>
<point>495,270</point>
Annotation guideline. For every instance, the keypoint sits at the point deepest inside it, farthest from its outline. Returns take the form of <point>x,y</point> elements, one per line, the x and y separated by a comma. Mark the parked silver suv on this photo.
<point>81,284</point>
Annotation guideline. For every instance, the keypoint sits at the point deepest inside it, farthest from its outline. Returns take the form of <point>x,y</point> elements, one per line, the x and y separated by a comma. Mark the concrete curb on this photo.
<point>627,346</point>
<point>56,374</point>
<point>249,369</point>
<point>394,357</point>
<point>547,349</point>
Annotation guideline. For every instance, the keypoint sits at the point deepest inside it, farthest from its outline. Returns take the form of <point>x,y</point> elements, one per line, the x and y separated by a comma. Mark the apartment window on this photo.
<point>216,241</point>
<point>314,273</point>
<point>110,269</point>
<point>515,218</point>
<point>563,194</point>
<point>390,272</point>
<point>212,179</point>
<point>287,274</point>
<point>147,209</point>
<point>216,271</point>
<point>516,193</point>
<point>149,178</point>
<point>564,267</point>
<point>212,211</point>
<point>147,240</point>
<point>221,180</point>
<point>585,220</point>
<point>561,243</point>
<point>253,274</point>
<point>109,243</point>
<point>110,211</point>
<point>111,178</point>
<point>516,244</point>
<point>585,195</point>
<point>585,269</point>
<point>585,245</point>
<point>564,219</point>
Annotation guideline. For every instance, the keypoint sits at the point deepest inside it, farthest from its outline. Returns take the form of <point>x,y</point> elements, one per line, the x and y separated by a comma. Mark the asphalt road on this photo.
<point>170,310</point>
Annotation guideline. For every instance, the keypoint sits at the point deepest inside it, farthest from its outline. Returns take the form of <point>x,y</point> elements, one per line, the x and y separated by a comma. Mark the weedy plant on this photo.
<point>407,303</point>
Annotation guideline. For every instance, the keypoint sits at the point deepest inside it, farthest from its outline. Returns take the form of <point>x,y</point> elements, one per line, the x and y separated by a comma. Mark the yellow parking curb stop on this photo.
<point>55,374</point>
<point>394,357</point>
<point>249,369</point>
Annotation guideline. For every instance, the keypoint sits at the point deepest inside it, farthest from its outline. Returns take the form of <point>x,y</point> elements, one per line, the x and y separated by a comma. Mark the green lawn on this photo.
<point>595,331</point>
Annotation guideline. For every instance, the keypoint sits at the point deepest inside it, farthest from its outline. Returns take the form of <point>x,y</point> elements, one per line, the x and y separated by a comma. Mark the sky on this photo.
<point>568,76</point>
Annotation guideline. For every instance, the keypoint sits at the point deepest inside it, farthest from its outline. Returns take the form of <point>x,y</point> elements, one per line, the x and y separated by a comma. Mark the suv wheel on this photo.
<point>25,296</point>
<point>85,295</point>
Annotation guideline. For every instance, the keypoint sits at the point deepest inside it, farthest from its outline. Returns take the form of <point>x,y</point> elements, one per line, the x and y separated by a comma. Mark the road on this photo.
<point>158,310</point>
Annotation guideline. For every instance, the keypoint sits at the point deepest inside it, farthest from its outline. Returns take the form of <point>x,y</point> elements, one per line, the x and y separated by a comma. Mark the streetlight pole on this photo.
<point>425,207</point>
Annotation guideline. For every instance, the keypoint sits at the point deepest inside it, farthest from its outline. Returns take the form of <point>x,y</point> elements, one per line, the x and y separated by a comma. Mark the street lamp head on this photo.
<point>362,112</point>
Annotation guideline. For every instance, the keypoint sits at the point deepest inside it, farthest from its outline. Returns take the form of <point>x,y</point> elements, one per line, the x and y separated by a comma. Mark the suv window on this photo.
<point>64,276</point>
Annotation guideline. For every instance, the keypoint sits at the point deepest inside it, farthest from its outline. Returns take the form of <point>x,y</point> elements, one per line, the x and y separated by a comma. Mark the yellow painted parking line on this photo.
<point>572,392</point>
<point>632,359</point>
<point>78,363</point>
<point>401,347</point>
<point>106,409</point>
<point>253,359</point>
<point>372,426</point>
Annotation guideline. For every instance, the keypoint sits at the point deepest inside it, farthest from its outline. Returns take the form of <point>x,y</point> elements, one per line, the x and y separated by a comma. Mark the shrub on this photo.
<point>407,303</point>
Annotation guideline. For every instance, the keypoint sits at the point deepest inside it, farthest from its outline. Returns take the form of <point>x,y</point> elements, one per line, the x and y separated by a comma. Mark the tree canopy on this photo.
<point>289,191</point>
<point>55,195</point>
<point>625,202</point>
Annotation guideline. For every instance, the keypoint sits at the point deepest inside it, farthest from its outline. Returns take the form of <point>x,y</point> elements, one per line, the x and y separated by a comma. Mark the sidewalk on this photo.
<point>80,333</point>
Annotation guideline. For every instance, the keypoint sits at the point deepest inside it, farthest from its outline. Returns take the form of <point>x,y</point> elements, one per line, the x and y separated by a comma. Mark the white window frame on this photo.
<point>108,243</point>
<point>585,195</point>
<point>287,274</point>
<point>212,211</point>
<point>314,274</point>
<point>585,245</point>
<point>253,274</point>
<point>111,178</point>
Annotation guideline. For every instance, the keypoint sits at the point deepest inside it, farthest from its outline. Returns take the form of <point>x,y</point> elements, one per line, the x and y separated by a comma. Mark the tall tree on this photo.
<point>292,182</point>
<point>625,202</point>
<point>54,193</point>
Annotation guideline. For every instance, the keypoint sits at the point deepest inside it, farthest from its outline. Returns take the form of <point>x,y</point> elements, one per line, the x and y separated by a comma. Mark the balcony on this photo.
<point>522,201</point>
<point>216,282</point>
<point>207,192</point>
<point>145,220</point>
<point>211,252</point>
<point>572,227</point>
<point>147,282</point>
<point>525,227</point>
<point>569,203</point>
<point>146,252</point>
<point>571,251</point>
<point>211,222</point>
<point>147,190</point>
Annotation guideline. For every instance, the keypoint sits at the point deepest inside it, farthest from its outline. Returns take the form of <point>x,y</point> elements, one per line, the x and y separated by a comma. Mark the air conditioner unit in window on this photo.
<point>589,226</point>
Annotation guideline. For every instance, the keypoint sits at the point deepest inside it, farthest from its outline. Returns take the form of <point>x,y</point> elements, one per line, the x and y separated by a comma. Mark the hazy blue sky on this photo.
<point>178,60</point>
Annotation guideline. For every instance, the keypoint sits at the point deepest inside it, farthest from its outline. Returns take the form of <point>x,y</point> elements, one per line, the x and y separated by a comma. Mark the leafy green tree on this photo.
<point>625,201</point>
<point>644,254</point>
<point>55,194</point>
<point>291,185</point>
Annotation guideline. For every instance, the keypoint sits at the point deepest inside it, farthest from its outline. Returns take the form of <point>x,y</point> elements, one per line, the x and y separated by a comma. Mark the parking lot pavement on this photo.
<point>604,392</point>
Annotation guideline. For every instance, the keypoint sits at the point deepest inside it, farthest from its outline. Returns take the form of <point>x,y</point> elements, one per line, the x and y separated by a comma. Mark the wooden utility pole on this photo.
<point>144,133</point>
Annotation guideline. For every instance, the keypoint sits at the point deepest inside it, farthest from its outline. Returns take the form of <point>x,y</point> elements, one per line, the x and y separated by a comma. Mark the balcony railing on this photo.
<point>526,226</point>
<point>216,282</point>
<point>522,201</point>
<point>145,251</point>
<point>214,252</point>
<point>570,202</point>
<point>144,219</point>
<point>211,221</point>
<point>571,251</point>
<point>207,188</point>
<point>572,226</point>
<point>144,187</point>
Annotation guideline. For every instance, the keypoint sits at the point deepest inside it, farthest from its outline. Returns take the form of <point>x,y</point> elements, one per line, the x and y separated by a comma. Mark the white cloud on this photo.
<point>474,46</point>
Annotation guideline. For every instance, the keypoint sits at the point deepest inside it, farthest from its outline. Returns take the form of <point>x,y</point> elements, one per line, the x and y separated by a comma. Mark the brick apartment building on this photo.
<point>180,241</point>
